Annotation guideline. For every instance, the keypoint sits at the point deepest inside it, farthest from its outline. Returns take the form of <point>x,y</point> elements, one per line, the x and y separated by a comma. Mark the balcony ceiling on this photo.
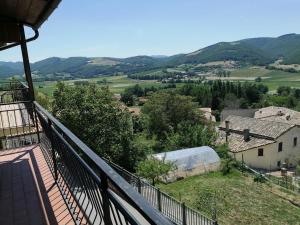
<point>29,12</point>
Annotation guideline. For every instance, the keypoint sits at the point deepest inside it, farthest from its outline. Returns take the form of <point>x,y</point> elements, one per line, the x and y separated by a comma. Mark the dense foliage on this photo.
<point>130,95</point>
<point>175,121</point>
<point>285,97</point>
<point>97,119</point>
<point>219,94</point>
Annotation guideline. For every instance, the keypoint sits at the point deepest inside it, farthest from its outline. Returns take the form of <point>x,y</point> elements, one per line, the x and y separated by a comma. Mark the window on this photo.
<point>278,164</point>
<point>280,147</point>
<point>260,152</point>
<point>295,141</point>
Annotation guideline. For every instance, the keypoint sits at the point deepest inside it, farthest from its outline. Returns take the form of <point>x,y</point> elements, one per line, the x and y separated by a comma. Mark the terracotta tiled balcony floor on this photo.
<point>28,194</point>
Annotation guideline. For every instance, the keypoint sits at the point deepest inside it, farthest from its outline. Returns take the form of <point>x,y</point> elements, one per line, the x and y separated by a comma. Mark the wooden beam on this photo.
<point>9,32</point>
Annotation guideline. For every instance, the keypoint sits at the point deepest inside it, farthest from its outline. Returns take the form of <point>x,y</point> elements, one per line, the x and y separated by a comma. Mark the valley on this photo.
<point>118,83</point>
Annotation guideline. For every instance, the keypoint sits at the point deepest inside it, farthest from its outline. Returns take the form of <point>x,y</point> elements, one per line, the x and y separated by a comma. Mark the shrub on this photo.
<point>259,178</point>
<point>222,151</point>
<point>258,79</point>
<point>227,165</point>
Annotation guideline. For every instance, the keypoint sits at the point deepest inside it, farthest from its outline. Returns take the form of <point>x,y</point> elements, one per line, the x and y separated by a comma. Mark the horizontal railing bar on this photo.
<point>11,110</point>
<point>163,194</point>
<point>133,198</point>
<point>16,102</point>
<point>24,84</point>
<point>10,82</point>
<point>129,217</point>
<point>12,88</point>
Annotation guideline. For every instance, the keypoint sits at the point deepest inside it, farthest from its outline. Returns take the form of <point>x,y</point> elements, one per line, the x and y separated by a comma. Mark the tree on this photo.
<point>153,168</point>
<point>190,135</point>
<point>165,110</point>
<point>95,117</point>
<point>128,98</point>
<point>130,94</point>
<point>42,99</point>
<point>283,90</point>
<point>258,79</point>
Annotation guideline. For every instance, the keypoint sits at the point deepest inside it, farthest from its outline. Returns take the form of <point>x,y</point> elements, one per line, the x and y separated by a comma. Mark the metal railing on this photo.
<point>92,190</point>
<point>17,125</point>
<point>287,182</point>
<point>175,210</point>
<point>13,91</point>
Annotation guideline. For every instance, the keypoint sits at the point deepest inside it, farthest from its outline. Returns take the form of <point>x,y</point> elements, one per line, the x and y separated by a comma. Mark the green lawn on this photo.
<point>240,201</point>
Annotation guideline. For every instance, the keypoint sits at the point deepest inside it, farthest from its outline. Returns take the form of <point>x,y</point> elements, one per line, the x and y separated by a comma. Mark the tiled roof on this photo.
<point>135,110</point>
<point>236,142</point>
<point>283,114</point>
<point>237,112</point>
<point>258,127</point>
<point>283,119</point>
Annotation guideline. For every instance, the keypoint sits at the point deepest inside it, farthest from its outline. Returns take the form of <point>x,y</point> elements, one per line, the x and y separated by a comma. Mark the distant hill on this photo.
<point>237,51</point>
<point>286,47</point>
<point>255,51</point>
<point>8,69</point>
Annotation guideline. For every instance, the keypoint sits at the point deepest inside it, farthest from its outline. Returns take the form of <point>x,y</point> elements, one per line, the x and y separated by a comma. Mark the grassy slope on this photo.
<point>245,202</point>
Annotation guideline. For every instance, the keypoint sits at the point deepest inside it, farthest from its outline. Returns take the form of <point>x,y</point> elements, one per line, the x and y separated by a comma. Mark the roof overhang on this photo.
<point>13,13</point>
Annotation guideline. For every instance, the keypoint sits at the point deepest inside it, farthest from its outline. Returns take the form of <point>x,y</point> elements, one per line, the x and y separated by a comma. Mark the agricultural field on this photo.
<point>272,78</point>
<point>116,84</point>
<point>238,198</point>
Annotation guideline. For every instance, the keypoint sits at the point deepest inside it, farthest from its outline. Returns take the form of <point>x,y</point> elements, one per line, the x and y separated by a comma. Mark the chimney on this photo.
<point>227,129</point>
<point>246,135</point>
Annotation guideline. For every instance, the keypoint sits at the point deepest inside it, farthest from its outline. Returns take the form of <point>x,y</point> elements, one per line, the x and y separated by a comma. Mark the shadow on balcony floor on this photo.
<point>28,194</point>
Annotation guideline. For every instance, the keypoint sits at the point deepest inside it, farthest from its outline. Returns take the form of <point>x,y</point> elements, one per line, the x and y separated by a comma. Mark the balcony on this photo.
<point>49,176</point>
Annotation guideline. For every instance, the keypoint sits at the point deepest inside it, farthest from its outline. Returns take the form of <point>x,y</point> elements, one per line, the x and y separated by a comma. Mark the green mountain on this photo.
<point>255,51</point>
<point>286,47</point>
<point>8,69</point>
<point>237,51</point>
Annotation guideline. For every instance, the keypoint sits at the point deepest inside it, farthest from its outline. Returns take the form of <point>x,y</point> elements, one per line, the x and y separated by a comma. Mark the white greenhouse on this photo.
<point>190,161</point>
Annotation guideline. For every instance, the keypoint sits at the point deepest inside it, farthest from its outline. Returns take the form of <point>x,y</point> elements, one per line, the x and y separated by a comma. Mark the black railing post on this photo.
<point>53,149</point>
<point>36,123</point>
<point>158,193</point>
<point>105,199</point>
<point>183,213</point>
<point>139,185</point>
<point>214,215</point>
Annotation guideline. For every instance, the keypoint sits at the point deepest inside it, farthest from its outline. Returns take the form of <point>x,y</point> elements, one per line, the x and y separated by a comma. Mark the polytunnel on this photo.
<point>190,161</point>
